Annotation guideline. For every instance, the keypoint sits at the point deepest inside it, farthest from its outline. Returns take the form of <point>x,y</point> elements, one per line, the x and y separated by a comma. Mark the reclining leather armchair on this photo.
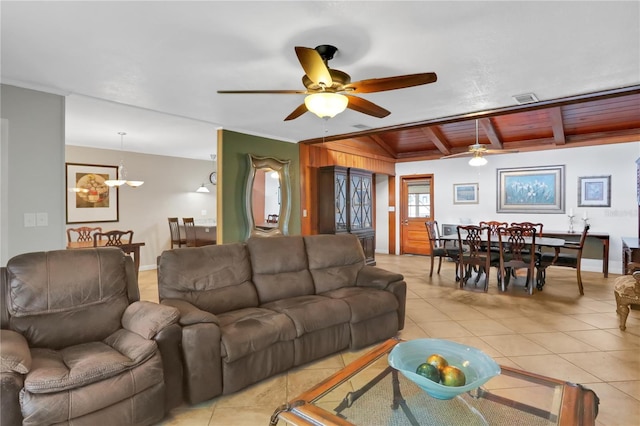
<point>77,345</point>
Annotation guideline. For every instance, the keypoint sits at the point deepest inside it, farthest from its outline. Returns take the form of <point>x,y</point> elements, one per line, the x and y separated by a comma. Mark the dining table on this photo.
<point>553,242</point>
<point>540,241</point>
<point>135,248</point>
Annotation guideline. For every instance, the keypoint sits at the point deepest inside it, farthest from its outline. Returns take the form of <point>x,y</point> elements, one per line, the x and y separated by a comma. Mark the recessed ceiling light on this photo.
<point>525,98</point>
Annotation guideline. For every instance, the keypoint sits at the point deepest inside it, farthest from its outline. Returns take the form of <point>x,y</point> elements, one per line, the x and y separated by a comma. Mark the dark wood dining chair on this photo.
<point>474,243</point>
<point>439,248</point>
<point>493,226</point>
<point>272,218</point>
<point>189,232</point>
<point>115,238</point>
<point>530,225</point>
<point>572,258</point>
<point>516,253</point>
<point>84,234</point>
<point>174,228</point>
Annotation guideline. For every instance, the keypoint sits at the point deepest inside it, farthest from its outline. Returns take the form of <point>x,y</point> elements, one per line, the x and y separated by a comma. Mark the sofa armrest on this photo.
<point>147,318</point>
<point>372,276</point>
<point>190,314</point>
<point>14,353</point>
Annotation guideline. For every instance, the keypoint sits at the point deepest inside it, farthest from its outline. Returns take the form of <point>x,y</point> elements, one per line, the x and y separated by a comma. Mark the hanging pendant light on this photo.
<point>122,172</point>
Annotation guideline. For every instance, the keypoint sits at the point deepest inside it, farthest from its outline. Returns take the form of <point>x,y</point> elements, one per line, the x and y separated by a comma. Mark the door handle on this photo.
<point>405,222</point>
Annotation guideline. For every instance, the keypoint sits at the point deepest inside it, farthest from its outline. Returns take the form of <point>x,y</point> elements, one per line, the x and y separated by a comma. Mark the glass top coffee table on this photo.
<point>369,392</point>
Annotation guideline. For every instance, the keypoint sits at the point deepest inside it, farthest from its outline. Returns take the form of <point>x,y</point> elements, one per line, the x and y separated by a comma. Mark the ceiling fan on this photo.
<point>477,151</point>
<point>330,91</point>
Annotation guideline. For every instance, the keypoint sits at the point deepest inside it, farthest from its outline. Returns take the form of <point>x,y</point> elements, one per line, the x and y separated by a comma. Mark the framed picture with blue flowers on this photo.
<point>531,190</point>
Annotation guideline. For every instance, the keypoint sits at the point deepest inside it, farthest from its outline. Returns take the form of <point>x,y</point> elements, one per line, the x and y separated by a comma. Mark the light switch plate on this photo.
<point>29,220</point>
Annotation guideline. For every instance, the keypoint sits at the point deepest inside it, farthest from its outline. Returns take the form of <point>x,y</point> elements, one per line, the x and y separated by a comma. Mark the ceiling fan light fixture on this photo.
<point>477,160</point>
<point>326,104</point>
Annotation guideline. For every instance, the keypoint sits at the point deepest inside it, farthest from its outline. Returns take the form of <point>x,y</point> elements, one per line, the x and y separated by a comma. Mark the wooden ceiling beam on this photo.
<point>490,131</point>
<point>377,139</point>
<point>607,94</point>
<point>438,139</point>
<point>557,125</point>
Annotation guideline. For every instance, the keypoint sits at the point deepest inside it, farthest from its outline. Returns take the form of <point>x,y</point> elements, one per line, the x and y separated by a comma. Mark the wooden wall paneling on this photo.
<point>392,215</point>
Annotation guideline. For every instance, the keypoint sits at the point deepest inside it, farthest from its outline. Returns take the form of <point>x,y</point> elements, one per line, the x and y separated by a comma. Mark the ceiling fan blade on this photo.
<point>391,83</point>
<point>297,112</point>
<point>366,107</point>
<point>313,65</point>
<point>277,92</point>
<point>460,154</point>
<point>500,151</point>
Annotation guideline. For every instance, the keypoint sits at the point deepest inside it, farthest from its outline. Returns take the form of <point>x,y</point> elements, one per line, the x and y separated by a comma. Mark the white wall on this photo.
<point>382,213</point>
<point>617,160</point>
<point>32,178</point>
<point>168,191</point>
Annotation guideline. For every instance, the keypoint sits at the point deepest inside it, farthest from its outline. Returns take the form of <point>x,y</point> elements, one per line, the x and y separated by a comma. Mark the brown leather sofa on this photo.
<point>77,345</point>
<point>252,310</point>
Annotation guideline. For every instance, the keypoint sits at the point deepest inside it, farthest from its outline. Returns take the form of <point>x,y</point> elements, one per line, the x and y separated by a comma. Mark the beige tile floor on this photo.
<point>555,332</point>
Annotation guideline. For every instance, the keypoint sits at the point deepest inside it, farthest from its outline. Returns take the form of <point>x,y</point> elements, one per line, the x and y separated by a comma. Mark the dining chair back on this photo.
<point>474,243</point>
<point>174,228</point>
<point>114,238</point>
<point>189,231</point>
<point>571,258</point>
<point>493,226</point>
<point>438,247</point>
<point>530,225</point>
<point>516,245</point>
<point>84,233</point>
<point>272,218</point>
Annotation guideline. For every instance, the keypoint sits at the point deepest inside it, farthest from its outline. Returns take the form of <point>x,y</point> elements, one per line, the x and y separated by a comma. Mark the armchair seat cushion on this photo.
<point>83,364</point>
<point>312,313</point>
<point>365,303</point>
<point>249,330</point>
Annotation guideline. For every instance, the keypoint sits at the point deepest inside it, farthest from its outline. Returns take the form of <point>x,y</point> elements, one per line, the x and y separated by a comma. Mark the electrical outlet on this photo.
<point>42,219</point>
<point>29,220</point>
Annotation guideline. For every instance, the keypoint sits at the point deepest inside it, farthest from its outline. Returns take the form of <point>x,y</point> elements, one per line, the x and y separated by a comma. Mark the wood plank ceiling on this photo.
<point>595,119</point>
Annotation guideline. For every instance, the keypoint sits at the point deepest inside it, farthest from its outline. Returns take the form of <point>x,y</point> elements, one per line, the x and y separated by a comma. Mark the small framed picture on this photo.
<point>594,191</point>
<point>465,193</point>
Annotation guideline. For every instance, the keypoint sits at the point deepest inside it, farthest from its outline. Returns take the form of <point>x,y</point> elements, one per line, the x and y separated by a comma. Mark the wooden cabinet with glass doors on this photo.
<point>345,204</point>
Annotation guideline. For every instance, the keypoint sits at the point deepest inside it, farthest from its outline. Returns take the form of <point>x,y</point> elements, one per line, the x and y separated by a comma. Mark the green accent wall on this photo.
<point>233,149</point>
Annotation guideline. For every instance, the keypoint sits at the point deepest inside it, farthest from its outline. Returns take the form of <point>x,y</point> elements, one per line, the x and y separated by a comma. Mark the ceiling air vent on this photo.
<point>525,98</point>
<point>361,126</point>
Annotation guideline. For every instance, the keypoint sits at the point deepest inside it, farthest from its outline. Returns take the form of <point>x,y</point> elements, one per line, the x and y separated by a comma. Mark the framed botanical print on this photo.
<point>88,198</point>
<point>594,191</point>
<point>531,190</point>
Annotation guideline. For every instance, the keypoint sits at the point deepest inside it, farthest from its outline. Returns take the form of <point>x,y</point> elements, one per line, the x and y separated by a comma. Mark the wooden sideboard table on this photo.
<point>603,237</point>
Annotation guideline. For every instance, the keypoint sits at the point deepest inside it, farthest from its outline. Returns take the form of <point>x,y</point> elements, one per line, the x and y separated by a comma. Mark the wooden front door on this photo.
<point>416,206</point>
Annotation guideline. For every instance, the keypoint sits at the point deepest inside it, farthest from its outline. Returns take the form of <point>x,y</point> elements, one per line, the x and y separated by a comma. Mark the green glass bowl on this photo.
<point>477,366</point>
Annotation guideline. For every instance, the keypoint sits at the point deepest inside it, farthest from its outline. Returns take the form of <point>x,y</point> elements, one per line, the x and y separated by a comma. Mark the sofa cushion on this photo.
<point>80,365</point>
<point>125,399</point>
<point>215,279</point>
<point>312,313</point>
<point>280,268</point>
<point>365,303</point>
<point>249,330</point>
<point>334,260</point>
<point>49,293</point>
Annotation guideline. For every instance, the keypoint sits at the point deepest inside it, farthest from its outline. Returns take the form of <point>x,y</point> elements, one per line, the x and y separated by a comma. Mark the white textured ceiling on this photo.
<point>171,57</point>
